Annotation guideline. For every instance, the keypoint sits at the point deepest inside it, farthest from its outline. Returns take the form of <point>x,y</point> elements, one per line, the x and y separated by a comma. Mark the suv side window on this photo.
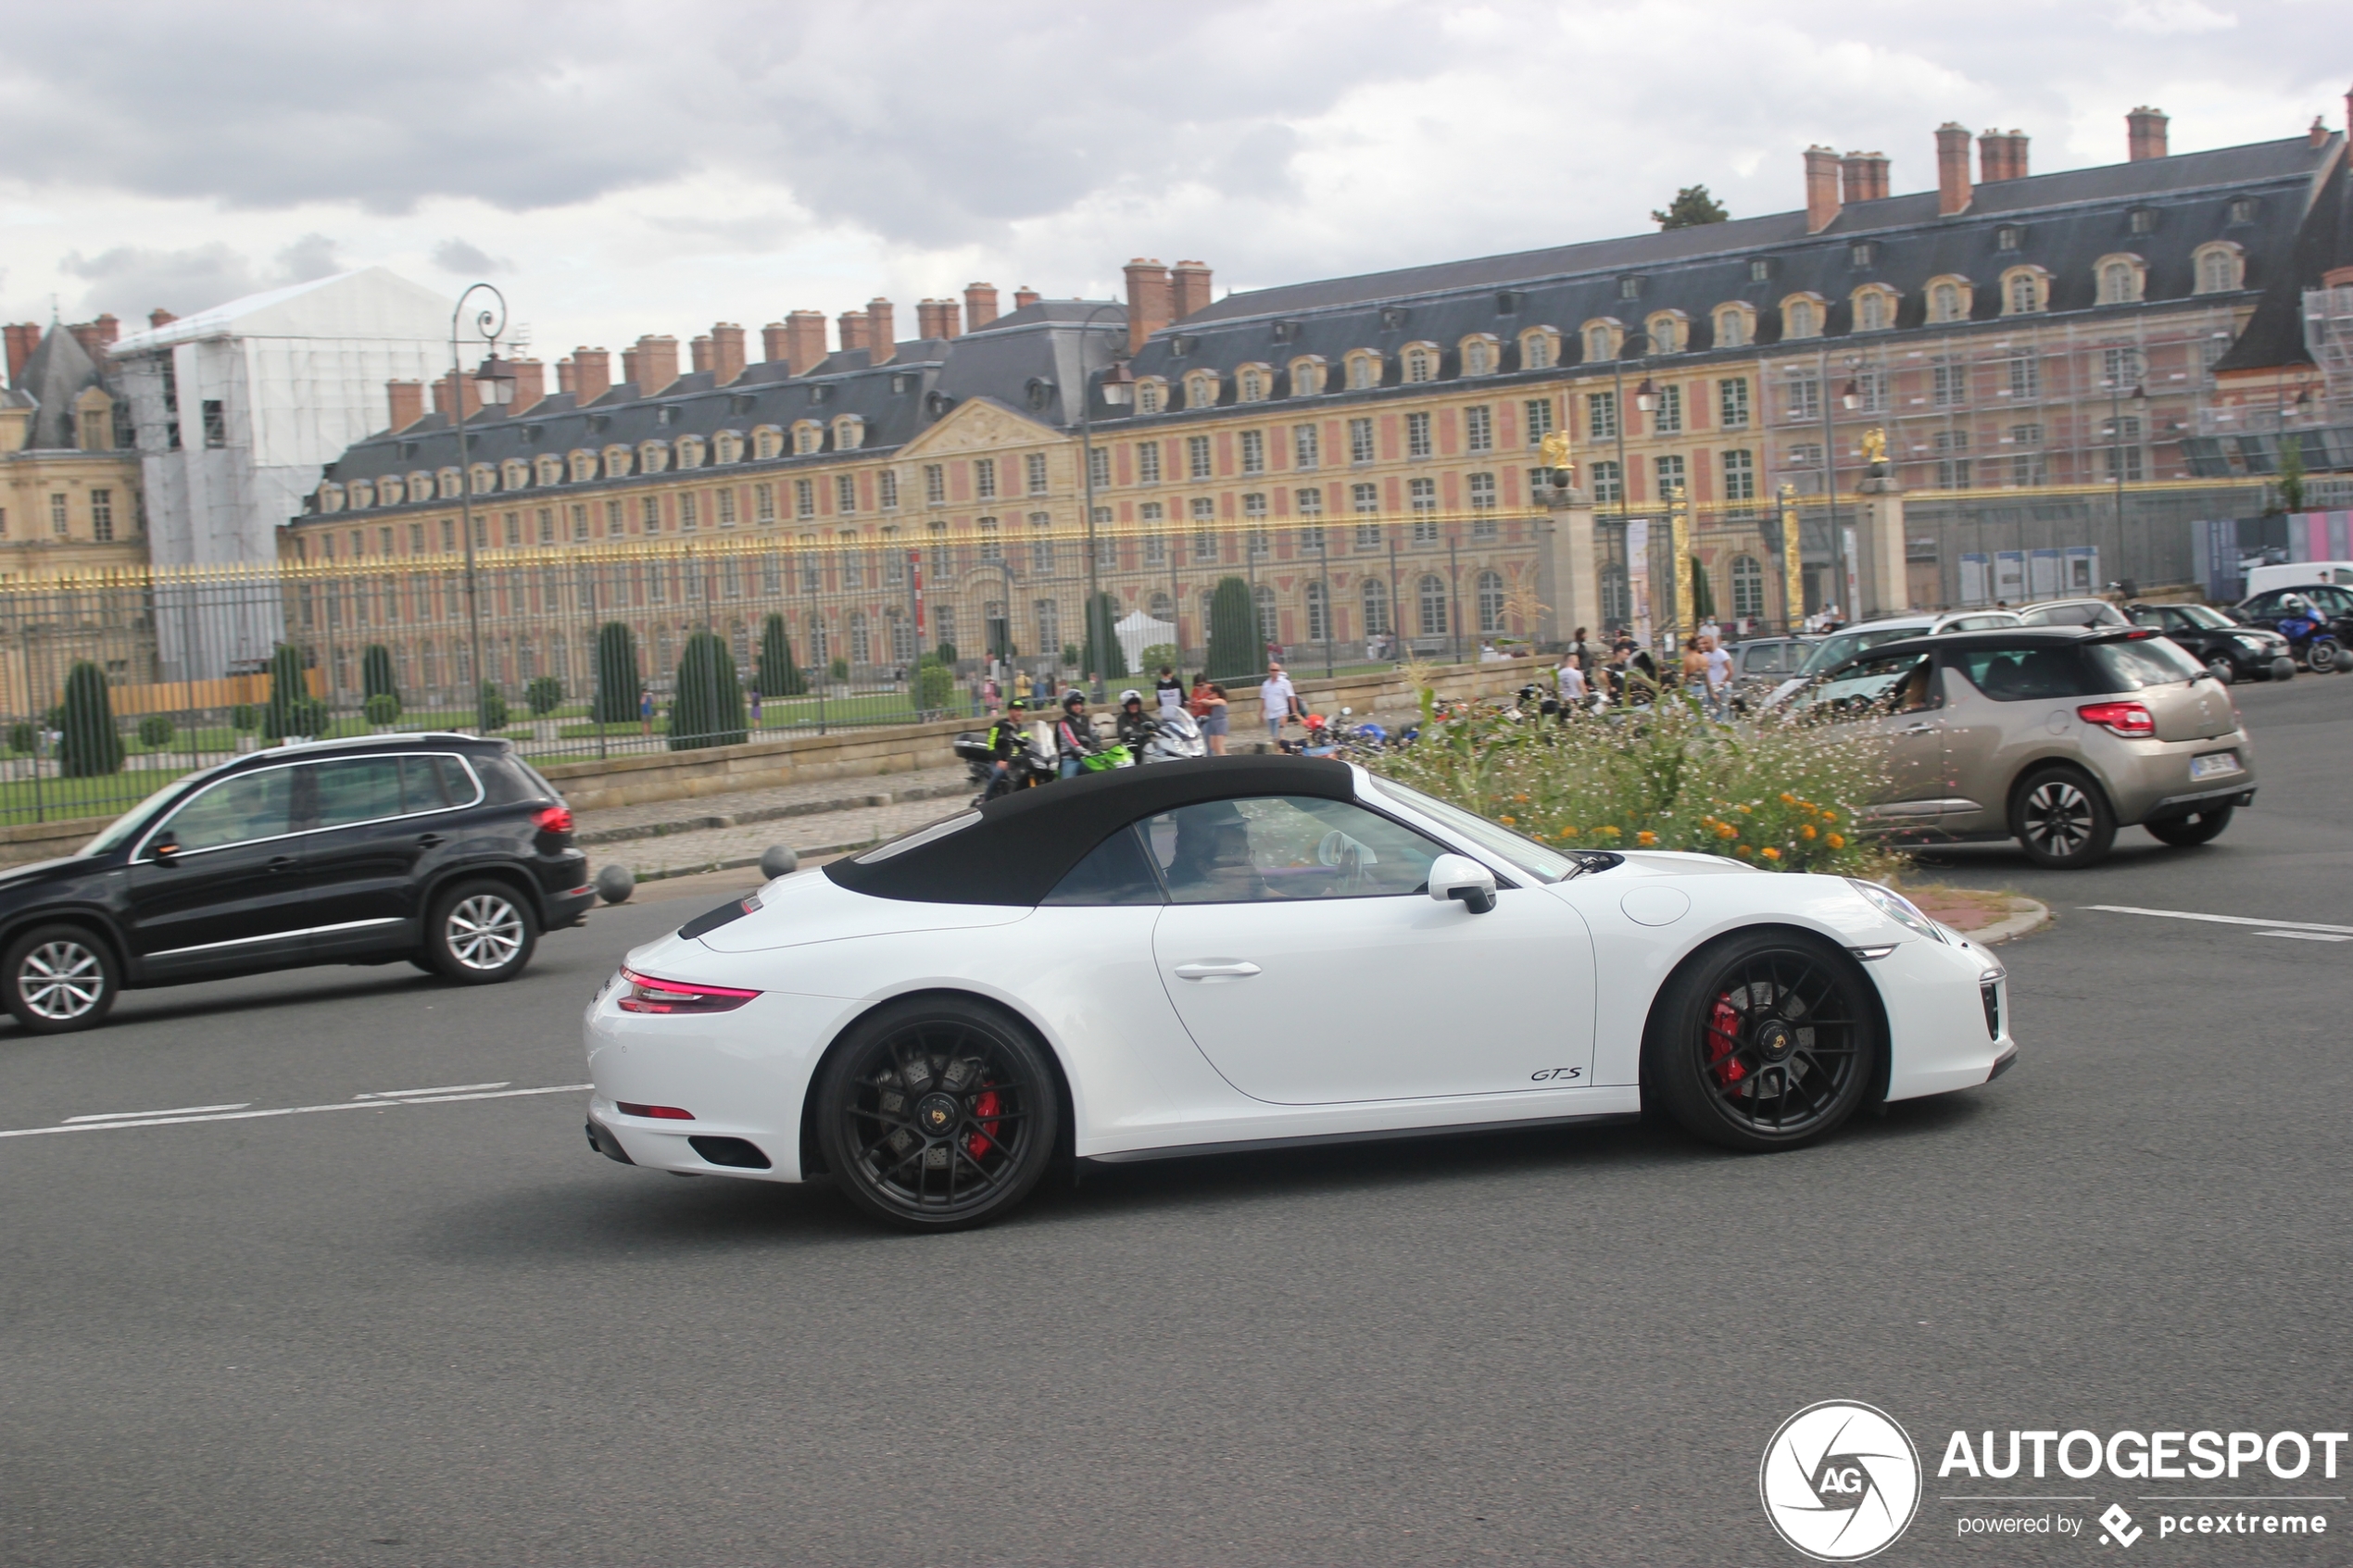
<point>235,811</point>
<point>2023,674</point>
<point>365,789</point>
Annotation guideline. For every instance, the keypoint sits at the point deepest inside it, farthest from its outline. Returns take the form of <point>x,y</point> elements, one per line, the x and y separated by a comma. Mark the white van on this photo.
<point>2297,575</point>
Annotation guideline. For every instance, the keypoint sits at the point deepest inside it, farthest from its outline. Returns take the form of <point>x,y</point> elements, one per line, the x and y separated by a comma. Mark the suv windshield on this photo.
<point>1847,645</point>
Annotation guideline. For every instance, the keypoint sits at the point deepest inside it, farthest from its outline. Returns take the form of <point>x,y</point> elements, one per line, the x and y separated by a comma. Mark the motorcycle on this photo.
<point>1174,739</point>
<point>2310,643</point>
<point>1026,768</point>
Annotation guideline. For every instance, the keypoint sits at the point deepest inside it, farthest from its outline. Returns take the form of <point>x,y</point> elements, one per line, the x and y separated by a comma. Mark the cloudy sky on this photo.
<point>625,169</point>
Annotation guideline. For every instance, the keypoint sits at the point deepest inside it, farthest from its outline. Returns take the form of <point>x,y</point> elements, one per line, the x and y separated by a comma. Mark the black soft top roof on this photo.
<point>1026,843</point>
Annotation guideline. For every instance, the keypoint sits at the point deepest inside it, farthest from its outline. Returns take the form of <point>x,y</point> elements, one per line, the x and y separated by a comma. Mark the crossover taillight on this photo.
<point>648,995</point>
<point>553,819</point>
<point>2128,719</point>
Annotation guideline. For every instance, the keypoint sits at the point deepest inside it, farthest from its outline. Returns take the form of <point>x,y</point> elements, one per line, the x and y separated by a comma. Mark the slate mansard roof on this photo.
<point>57,373</point>
<point>2068,221</point>
<point>1023,359</point>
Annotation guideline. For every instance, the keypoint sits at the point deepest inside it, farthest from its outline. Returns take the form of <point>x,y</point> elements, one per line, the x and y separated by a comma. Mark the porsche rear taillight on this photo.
<point>2130,720</point>
<point>647,994</point>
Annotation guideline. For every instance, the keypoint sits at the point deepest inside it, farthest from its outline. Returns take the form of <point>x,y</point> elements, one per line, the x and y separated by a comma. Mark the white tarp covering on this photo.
<point>1140,632</point>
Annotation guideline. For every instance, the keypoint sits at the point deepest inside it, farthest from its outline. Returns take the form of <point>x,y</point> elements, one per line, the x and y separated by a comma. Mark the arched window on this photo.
<point>1668,333</point>
<point>1874,311</point>
<point>767,442</point>
<point>1618,607</point>
<point>1251,385</point>
<point>1306,376</point>
<point>1363,371</point>
<point>1748,588</point>
<point>1262,598</point>
<point>849,432</point>
<point>860,648</point>
<point>619,460</point>
<point>1948,301</point>
<point>549,469</point>
<point>2220,268</point>
<point>1319,614</point>
<point>1374,594</point>
<point>1800,318</point>
<point>2022,292</point>
<point>1421,363</point>
<point>1490,602</point>
<point>1481,355</point>
<point>1201,389</point>
<point>514,474</point>
<point>1601,341</point>
<point>808,436</point>
<point>2119,278</point>
<point>484,476</point>
<point>1536,350</point>
<point>1432,594</point>
<point>690,453</point>
<point>1733,329</point>
<point>447,480</point>
<point>1150,395</point>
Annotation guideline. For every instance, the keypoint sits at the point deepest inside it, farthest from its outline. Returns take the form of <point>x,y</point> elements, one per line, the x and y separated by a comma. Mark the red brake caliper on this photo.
<point>984,1104</point>
<point>1723,1039</point>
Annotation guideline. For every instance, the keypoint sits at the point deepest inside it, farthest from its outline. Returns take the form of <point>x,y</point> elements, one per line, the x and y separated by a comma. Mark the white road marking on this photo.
<point>183,1110</point>
<point>2271,925</point>
<point>444,1089</point>
<point>181,1118</point>
<point>2307,935</point>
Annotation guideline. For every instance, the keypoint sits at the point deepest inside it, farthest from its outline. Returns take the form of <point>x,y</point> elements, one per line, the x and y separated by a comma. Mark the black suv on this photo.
<point>446,850</point>
<point>2233,650</point>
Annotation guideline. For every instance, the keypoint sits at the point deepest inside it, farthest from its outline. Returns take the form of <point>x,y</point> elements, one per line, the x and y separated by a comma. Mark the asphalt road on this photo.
<point>447,1334</point>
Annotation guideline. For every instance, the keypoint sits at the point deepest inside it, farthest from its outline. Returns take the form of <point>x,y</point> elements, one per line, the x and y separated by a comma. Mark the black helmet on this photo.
<point>1074,697</point>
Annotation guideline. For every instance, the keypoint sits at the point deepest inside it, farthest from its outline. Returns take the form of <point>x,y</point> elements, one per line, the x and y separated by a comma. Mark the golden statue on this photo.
<point>1554,451</point>
<point>1875,445</point>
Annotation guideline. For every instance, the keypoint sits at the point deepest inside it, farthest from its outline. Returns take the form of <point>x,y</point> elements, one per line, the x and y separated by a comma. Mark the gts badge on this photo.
<point>1563,1076</point>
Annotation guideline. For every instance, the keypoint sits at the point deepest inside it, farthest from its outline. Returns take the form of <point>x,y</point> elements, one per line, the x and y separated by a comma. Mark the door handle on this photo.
<point>1233,969</point>
<point>429,840</point>
<point>282,863</point>
<point>1917,730</point>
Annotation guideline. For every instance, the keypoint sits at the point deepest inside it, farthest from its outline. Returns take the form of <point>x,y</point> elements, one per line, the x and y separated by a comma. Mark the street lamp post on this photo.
<point>1850,397</point>
<point>2128,364</point>
<point>495,378</point>
<point>1644,394</point>
<point>1118,385</point>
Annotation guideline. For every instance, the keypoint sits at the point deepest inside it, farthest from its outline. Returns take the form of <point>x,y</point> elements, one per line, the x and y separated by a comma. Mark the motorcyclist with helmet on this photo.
<point>1007,738</point>
<point>1074,736</point>
<point>1136,725</point>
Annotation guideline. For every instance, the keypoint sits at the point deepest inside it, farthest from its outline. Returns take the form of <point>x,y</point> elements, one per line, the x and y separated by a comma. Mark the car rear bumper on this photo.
<point>2151,781</point>
<point>569,906</point>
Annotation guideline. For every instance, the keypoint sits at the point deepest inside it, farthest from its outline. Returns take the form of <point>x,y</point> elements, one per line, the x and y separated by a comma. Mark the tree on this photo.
<point>777,674</point>
<point>291,711</point>
<point>2292,474</point>
<point>544,695</point>
<point>1692,206</point>
<point>1234,650</point>
<point>1104,656</point>
<point>709,707</point>
<point>935,688</point>
<point>618,689</point>
<point>375,675</point>
<point>155,731</point>
<point>490,709</point>
<point>946,653</point>
<point>1703,596</point>
<point>90,746</point>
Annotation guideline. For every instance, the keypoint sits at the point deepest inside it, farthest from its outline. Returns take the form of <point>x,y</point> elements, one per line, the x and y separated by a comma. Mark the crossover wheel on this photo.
<point>480,932</point>
<point>2184,833</point>
<point>1765,1041</point>
<point>936,1115</point>
<point>2061,819</point>
<point>59,978</point>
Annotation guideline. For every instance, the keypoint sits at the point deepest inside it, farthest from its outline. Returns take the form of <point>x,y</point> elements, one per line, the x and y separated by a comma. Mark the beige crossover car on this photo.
<point>2054,736</point>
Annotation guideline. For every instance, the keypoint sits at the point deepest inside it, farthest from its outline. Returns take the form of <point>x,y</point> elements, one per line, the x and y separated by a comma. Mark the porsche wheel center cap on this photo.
<point>935,1114</point>
<point>1774,1038</point>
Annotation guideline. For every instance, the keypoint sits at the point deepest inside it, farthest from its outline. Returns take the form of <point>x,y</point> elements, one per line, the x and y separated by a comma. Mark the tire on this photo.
<point>481,933</point>
<point>2323,657</point>
<point>2223,669</point>
<point>2187,832</point>
<point>937,1114</point>
<point>58,979</point>
<point>1764,1040</point>
<point>2061,819</point>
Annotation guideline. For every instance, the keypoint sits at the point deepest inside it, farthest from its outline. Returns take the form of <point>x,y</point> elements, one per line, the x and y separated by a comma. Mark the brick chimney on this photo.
<point>882,334</point>
<point>1953,191</point>
<point>97,337</point>
<point>1862,177</point>
<point>853,330</point>
<point>980,305</point>
<point>408,398</point>
<point>160,317</point>
<point>629,368</point>
<point>698,352</point>
<point>804,342</point>
<point>2316,135</point>
<point>1821,188</point>
<point>1024,297</point>
<point>2144,135</point>
<point>23,338</point>
<point>1192,285</point>
<point>773,343</point>
<point>591,374</point>
<point>927,319</point>
<point>1149,300</point>
<point>951,319</point>
<point>2001,155</point>
<point>530,385</point>
<point>657,364</point>
<point>467,391</point>
<point>727,352</point>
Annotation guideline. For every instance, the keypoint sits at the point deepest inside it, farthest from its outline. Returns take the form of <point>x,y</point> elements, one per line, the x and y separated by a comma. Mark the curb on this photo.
<point>770,813</point>
<point>2026,917</point>
<point>741,862</point>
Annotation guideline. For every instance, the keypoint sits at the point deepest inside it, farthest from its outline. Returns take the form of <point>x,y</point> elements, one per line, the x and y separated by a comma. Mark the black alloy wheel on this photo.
<point>1765,1041</point>
<point>481,933</point>
<point>937,1114</point>
<point>58,978</point>
<point>2187,832</point>
<point>2061,819</point>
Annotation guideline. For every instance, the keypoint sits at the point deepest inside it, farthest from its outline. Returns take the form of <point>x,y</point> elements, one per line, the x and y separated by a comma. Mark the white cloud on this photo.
<point>2173,16</point>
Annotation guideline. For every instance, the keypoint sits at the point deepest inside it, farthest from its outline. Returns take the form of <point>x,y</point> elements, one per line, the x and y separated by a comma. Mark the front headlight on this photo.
<point>2252,644</point>
<point>1898,907</point>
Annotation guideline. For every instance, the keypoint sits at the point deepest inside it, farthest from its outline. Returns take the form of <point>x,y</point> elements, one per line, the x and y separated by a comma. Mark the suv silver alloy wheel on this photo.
<point>483,932</point>
<point>61,981</point>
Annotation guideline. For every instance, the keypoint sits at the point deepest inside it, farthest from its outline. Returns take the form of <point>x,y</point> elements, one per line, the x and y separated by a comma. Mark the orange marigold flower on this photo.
<point>1830,816</point>
<point>1509,821</point>
<point>1771,853</point>
<point>1788,799</point>
<point>1742,851</point>
<point>1569,832</point>
<point>1838,841</point>
<point>1646,837</point>
<point>1806,832</point>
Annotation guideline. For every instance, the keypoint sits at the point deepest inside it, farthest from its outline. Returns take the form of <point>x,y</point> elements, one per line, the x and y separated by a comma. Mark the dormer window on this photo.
<point>618,460</point>
<point>1874,310</point>
<point>1508,301</point>
<point>1630,288</point>
<point>1863,253</point>
<point>1251,384</point>
<point>1482,355</point>
<point>2219,267</point>
<point>1538,349</point>
<point>653,457</point>
<point>2025,290</point>
<point>548,469</point>
<point>1949,300</point>
<point>1602,339</point>
<point>1670,332</point>
<point>2144,220</point>
<point>583,464</point>
<point>690,451</point>
<point>447,483</point>
<point>1802,317</point>
<point>1286,332</point>
<point>1421,362</point>
<point>361,493</point>
<point>767,442</point>
<point>2120,280</point>
<point>1152,395</point>
<point>2243,209</point>
<point>1393,317</point>
<point>514,474</point>
<point>1201,389</point>
<point>1760,269</point>
<point>808,437</point>
<point>1735,326</point>
<point>331,498</point>
<point>850,433</point>
<point>483,479</point>
<point>2009,236</point>
<point>1307,376</point>
<point>727,446</point>
<point>666,415</point>
<point>1363,371</point>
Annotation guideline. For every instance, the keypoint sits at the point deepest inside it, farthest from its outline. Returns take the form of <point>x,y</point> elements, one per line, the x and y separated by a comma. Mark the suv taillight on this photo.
<point>554,818</point>
<point>2128,719</point>
<point>648,995</point>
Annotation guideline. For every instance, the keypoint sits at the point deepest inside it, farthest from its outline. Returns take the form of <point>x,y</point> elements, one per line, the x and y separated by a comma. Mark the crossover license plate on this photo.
<point>2214,763</point>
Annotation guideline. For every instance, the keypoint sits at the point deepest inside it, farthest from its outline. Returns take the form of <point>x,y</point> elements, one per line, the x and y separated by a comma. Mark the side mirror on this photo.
<point>164,849</point>
<point>1460,877</point>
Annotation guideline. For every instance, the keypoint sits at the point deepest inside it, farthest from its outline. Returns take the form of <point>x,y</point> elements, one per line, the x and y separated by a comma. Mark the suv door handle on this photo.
<point>1232,970</point>
<point>428,840</point>
<point>282,863</point>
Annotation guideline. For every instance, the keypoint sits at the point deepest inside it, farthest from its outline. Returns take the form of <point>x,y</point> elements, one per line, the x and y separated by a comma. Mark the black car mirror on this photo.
<point>164,849</point>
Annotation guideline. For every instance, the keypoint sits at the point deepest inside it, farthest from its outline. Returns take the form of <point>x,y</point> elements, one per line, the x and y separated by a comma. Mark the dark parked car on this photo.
<point>2232,651</point>
<point>446,850</point>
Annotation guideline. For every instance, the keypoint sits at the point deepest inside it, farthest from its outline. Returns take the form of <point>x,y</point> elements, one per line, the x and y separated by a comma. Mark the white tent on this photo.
<point>1140,632</point>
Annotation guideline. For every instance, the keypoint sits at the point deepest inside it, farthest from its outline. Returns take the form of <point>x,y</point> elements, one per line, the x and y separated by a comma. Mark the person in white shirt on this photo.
<point>1572,683</point>
<point>1276,700</point>
<point>1720,675</point>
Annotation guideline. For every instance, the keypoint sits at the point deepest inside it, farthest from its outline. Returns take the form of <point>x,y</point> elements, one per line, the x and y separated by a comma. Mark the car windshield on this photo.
<point>1544,865</point>
<point>1897,683</point>
<point>126,827</point>
<point>1847,645</point>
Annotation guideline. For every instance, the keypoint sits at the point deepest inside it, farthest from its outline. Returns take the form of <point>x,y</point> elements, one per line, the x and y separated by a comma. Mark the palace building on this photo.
<point>2045,357</point>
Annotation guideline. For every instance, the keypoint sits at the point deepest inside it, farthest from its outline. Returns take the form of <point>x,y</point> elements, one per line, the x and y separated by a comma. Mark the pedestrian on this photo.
<point>1570,680</point>
<point>646,711</point>
<point>1277,702</point>
<point>1168,691</point>
<point>1692,672</point>
<point>988,695</point>
<point>755,707</point>
<point>1582,651</point>
<point>1719,678</point>
<point>1214,717</point>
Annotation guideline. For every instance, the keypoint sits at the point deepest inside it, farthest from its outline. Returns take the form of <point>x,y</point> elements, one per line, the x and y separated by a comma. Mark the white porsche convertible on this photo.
<point>1252,951</point>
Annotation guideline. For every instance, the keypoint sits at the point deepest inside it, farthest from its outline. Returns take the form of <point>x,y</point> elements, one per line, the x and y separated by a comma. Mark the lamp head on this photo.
<point>494,383</point>
<point>1118,385</point>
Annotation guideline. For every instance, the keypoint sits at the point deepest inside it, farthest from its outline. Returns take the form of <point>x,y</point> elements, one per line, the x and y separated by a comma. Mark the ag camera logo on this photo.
<point>1840,1481</point>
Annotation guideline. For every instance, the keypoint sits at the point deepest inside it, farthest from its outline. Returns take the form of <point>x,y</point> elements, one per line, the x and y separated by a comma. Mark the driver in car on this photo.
<point>1212,863</point>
